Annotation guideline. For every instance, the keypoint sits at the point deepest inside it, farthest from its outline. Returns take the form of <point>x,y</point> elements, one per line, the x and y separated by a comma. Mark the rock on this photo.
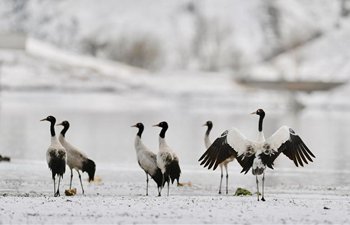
<point>70,192</point>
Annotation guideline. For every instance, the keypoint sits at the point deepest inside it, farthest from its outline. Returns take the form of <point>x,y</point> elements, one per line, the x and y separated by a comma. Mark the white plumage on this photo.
<point>76,159</point>
<point>167,160</point>
<point>164,158</point>
<point>56,156</point>
<point>147,160</point>
<point>257,154</point>
<point>208,143</point>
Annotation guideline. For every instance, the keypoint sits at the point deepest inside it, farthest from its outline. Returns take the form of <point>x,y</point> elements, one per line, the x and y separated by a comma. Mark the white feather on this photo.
<point>278,138</point>
<point>145,157</point>
<point>258,164</point>
<point>165,155</point>
<point>238,141</point>
<point>261,137</point>
<point>75,157</point>
<point>207,141</point>
<point>55,147</point>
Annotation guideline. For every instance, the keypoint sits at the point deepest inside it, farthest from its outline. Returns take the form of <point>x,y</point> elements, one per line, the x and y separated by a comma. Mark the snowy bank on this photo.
<point>119,199</point>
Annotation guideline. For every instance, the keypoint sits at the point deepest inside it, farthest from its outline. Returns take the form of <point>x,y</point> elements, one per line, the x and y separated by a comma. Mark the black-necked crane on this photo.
<point>257,154</point>
<point>76,159</point>
<point>56,156</point>
<point>167,160</point>
<point>147,160</point>
<point>208,143</point>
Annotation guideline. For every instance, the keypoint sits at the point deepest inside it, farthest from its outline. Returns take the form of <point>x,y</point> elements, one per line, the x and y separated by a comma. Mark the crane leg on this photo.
<point>226,179</point>
<point>146,184</point>
<point>71,178</point>
<point>161,187</point>
<point>81,183</point>
<point>54,186</point>
<point>257,186</point>
<point>263,187</point>
<point>168,187</point>
<point>58,187</point>
<point>159,190</point>
<point>222,175</point>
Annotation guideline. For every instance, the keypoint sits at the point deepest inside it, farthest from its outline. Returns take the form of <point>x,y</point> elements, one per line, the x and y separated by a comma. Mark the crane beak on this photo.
<point>252,113</point>
<point>204,125</point>
<point>59,124</point>
<point>43,119</point>
<point>133,125</point>
<point>155,125</point>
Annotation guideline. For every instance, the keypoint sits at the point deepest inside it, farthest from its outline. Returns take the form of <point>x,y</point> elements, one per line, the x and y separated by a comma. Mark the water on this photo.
<point>100,126</point>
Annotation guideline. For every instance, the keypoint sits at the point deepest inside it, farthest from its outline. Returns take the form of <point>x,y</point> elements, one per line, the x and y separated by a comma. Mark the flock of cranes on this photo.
<point>164,167</point>
<point>61,153</point>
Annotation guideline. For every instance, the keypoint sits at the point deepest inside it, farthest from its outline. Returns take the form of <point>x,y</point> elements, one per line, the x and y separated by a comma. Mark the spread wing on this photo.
<point>286,141</point>
<point>246,161</point>
<point>230,143</point>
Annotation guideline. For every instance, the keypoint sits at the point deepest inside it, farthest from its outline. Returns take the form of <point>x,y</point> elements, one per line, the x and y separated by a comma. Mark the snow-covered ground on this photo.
<point>119,199</point>
<point>190,209</point>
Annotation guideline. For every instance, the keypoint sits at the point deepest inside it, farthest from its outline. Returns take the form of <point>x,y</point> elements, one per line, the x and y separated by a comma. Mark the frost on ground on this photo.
<point>279,209</point>
<point>119,198</point>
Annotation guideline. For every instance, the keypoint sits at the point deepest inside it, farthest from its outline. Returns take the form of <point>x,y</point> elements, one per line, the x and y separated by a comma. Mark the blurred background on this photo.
<point>106,65</point>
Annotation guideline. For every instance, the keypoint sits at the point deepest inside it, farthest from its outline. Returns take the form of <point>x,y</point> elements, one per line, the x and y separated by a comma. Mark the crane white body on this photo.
<point>76,159</point>
<point>167,160</point>
<point>56,156</point>
<point>147,160</point>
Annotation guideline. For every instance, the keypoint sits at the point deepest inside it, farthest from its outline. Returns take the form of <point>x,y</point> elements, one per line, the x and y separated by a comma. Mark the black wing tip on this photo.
<point>245,170</point>
<point>297,150</point>
<point>216,153</point>
<point>312,154</point>
<point>202,157</point>
<point>215,166</point>
<point>270,166</point>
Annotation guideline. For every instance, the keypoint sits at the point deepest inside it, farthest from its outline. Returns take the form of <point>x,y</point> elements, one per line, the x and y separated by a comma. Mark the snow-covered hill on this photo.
<point>266,39</point>
<point>210,35</point>
<point>324,59</point>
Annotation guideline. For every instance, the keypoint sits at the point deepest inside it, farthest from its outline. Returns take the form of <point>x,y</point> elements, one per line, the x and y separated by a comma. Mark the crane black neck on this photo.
<point>139,133</point>
<point>261,118</point>
<point>64,130</point>
<point>209,129</point>
<point>52,128</point>
<point>162,132</point>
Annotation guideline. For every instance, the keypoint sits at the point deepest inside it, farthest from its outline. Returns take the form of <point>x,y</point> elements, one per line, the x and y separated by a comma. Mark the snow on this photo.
<point>282,209</point>
<point>44,67</point>
<point>38,48</point>
<point>325,59</point>
<point>244,27</point>
<point>53,67</point>
<point>52,75</point>
<point>119,198</point>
